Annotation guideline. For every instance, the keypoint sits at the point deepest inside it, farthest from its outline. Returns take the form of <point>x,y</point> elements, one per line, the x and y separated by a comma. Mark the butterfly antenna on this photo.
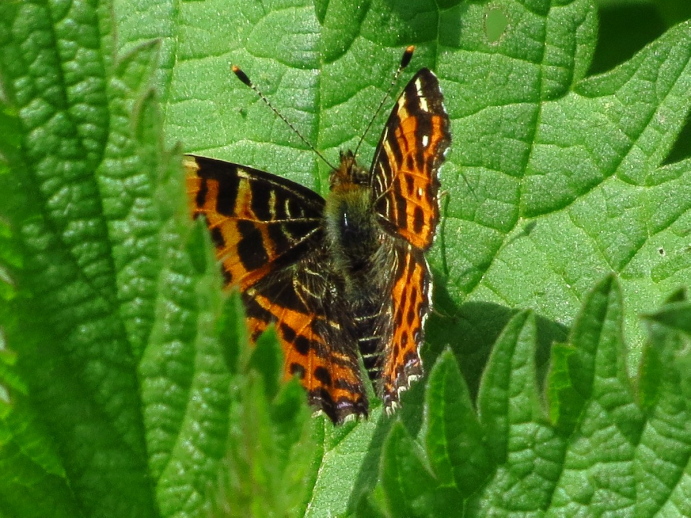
<point>247,81</point>
<point>407,56</point>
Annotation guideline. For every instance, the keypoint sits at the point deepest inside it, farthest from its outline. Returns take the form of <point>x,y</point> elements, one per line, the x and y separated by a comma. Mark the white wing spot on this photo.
<point>420,192</point>
<point>423,104</point>
<point>425,140</point>
<point>423,101</point>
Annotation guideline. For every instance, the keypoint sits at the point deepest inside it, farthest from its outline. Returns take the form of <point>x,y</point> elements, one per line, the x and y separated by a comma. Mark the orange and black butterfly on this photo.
<point>342,276</point>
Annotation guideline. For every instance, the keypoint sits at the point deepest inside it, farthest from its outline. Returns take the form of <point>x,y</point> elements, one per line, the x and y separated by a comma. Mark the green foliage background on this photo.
<point>126,386</point>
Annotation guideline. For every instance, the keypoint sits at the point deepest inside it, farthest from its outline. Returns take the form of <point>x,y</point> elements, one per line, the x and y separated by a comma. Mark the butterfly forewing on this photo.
<point>258,221</point>
<point>409,154</point>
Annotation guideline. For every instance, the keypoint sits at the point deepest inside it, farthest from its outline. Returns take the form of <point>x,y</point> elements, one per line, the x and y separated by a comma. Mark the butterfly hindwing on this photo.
<point>313,328</point>
<point>410,289</point>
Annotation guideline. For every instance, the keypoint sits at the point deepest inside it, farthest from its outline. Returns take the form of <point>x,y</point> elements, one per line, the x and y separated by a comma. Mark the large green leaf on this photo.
<point>604,453</point>
<point>126,387</point>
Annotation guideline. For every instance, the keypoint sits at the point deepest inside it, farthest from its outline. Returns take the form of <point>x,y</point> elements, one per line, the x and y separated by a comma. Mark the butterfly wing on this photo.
<point>404,189</point>
<point>409,154</point>
<point>258,221</point>
<point>410,294</point>
<point>269,239</point>
<point>313,326</point>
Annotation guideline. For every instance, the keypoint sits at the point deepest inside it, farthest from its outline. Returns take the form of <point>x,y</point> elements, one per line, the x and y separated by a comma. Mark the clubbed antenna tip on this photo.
<point>241,75</point>
<point>407,56</point>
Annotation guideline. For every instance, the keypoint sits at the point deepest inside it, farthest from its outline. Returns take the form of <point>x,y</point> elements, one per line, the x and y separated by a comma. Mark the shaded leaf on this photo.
<point>455,441</point>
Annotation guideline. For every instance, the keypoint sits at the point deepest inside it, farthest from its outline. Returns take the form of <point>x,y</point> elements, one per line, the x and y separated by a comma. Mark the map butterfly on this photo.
<point>342,276</point>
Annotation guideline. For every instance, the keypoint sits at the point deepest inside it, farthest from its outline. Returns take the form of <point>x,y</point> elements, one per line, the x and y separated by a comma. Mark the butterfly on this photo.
<point>344,276</point>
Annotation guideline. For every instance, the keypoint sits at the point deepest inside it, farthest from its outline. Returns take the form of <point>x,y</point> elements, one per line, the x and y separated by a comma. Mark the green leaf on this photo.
<point>271,449</point>
<point>608,424</point>
<point>73,349</point>
<point>675,316</point>
<point>409,485</point>
<point>665,393</point>
<point>524,446</point>
<point>613,456</point>
<point>454,439</point>
<point>267,358</point>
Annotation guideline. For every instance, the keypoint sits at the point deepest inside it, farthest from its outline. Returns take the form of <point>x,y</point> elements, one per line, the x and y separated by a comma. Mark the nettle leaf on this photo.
<point>665,393</point>
<point>126,383</point>
<point>268,468</point>
<point>615,456</point>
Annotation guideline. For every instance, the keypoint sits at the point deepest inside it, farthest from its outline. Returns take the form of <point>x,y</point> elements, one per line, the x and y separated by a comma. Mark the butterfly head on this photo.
<point>349,175</point>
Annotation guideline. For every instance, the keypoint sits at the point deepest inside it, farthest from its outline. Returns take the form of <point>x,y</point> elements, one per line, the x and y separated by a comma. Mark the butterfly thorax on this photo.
<point>353,235</point>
